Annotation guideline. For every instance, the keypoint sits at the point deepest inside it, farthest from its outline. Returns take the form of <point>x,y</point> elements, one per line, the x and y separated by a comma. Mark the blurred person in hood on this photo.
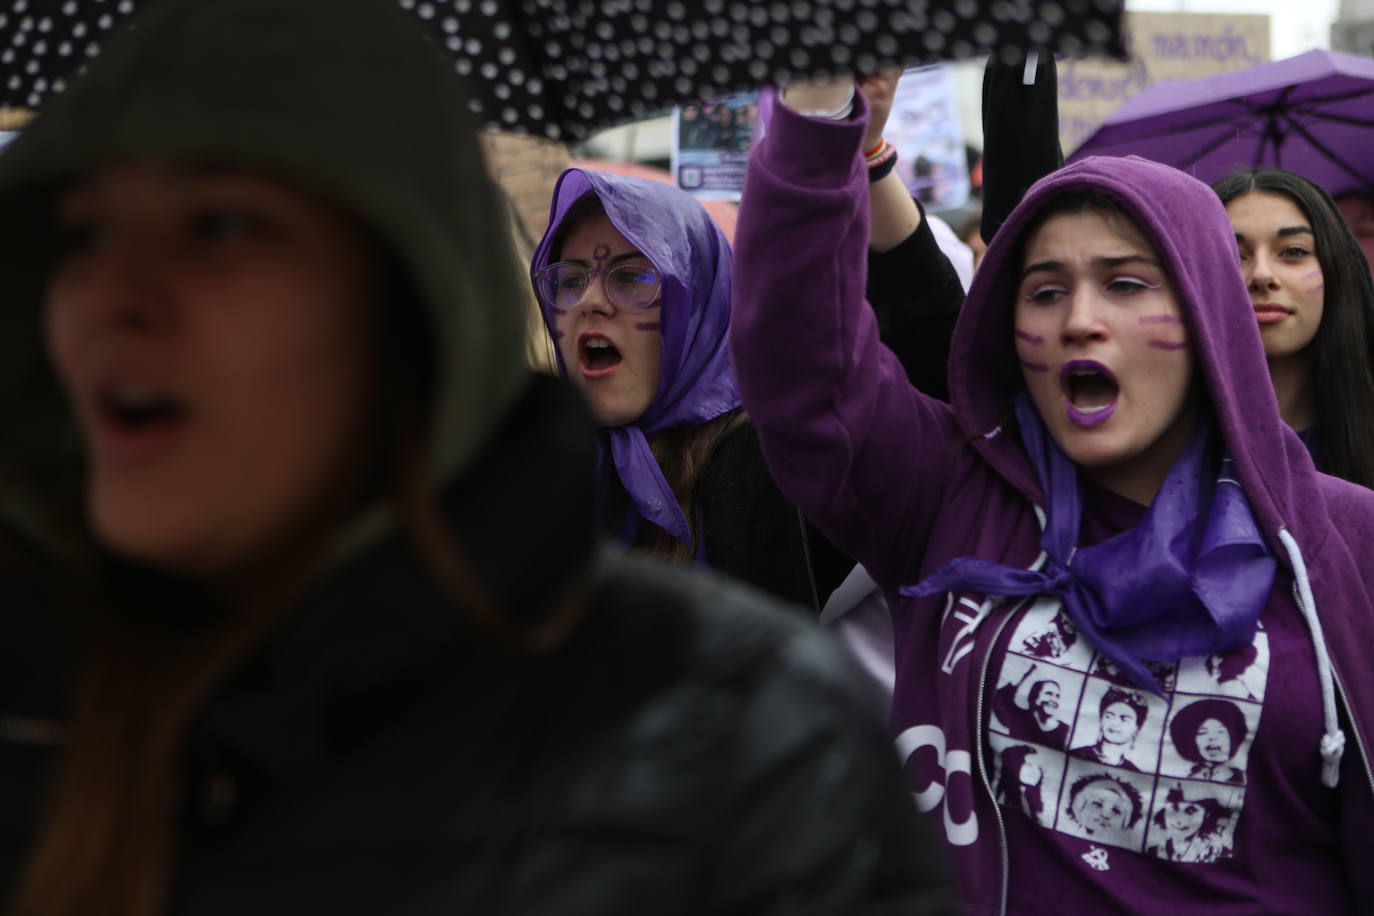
<point>306,607</point>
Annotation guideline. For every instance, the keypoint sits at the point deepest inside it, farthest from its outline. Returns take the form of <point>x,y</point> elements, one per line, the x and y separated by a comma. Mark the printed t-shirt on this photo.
<point>1121,800</point>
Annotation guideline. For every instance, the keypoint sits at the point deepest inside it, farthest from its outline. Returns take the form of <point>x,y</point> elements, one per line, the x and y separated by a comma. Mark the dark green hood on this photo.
<point>344,97</point>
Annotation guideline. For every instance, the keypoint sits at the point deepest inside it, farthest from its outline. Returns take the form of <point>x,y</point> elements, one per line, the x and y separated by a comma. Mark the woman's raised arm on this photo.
<point>847,438</point>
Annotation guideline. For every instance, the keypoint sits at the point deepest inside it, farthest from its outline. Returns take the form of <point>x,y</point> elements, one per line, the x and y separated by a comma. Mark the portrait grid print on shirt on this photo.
<point>1081,750</point>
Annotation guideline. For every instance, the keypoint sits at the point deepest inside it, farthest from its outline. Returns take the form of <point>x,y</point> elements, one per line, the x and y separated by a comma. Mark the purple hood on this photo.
<point>1305,517</point>
<point>693,259</point>
<point>1180,216</point>
<point>906,484</point>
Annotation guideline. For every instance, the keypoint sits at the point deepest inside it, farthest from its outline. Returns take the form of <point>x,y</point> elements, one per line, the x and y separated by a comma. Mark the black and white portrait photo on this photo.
<point>1118,728</point>
<point>1211,739</point>
<point>1034,702</point>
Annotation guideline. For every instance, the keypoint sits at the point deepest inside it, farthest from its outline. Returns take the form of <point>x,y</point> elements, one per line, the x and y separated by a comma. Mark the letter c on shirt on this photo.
<point>961,833</point>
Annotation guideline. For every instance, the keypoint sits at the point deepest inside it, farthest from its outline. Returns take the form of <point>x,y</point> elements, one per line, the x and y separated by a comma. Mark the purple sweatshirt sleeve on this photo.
<point>846,437</point>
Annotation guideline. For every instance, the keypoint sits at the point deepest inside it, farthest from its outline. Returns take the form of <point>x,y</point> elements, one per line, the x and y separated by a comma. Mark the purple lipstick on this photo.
<point>1090,392</point>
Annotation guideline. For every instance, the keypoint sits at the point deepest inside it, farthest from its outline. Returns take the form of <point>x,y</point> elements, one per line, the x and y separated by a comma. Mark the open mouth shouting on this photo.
<point>131,420</point>
<point>1090,391</point>
<point>598,357</point>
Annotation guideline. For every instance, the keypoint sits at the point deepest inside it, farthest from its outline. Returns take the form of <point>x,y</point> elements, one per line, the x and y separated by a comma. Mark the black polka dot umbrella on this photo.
<point>565,68</point>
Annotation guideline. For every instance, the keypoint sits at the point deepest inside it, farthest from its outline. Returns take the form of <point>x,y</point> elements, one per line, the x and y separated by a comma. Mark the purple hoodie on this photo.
<point>676,234</point>
<point>1002,710</point>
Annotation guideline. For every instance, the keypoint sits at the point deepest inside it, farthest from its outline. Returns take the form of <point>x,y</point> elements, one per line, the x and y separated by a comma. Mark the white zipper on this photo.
<point>979,737</point>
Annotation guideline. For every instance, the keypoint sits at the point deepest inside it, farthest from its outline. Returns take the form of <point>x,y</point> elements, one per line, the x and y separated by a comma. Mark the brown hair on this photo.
<point>147,665</point>
<point>682,453</point>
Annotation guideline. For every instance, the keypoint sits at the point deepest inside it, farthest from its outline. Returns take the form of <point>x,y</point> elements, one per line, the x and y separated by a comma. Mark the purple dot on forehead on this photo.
<point>602,252</point>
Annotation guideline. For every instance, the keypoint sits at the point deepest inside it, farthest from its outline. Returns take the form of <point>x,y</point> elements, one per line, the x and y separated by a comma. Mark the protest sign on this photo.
<point>711,142</point>
<point>924,126</point>
<point>1163,46</point>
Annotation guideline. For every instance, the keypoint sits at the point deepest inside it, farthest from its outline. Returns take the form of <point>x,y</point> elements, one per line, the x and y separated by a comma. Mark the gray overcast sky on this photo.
<point>1293,27</point>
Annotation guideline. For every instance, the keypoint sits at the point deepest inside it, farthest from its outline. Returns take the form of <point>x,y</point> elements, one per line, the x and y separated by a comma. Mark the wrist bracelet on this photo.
<point>881,165</point>
<point>878,148</point>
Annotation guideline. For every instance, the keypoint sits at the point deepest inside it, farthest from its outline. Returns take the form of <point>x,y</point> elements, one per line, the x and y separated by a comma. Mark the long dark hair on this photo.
<point>1342,361</point>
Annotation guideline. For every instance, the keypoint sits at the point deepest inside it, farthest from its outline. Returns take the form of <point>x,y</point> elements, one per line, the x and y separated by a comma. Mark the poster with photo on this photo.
<point>924,126</point>
<point>711,143</point>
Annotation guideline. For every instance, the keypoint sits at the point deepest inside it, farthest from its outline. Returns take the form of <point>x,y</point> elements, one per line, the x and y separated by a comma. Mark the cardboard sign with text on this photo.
<point>1163,46</point>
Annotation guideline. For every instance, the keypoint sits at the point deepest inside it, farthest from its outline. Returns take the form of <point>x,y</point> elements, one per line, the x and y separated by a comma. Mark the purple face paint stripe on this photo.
<point>648,325</point>
<point>559,335</point>
<point>1159,319</point>
<point>1030,338</point>
<point>1035,367</point>
<point>1167,345</point>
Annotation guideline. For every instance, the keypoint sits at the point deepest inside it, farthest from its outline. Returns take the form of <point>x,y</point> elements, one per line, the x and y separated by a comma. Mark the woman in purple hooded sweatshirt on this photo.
<point>634,280</point>
<point>1112,454</point>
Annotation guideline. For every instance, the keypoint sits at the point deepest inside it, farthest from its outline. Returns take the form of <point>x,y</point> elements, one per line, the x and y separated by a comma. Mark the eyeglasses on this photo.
<point>628,286</point>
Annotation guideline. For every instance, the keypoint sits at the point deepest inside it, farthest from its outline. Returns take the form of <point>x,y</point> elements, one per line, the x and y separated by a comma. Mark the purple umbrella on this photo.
<point>1312,114</point>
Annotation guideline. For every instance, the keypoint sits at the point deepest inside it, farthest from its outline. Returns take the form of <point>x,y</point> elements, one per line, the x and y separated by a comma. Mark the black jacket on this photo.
<point>750,530</point>
<point>689,749</point>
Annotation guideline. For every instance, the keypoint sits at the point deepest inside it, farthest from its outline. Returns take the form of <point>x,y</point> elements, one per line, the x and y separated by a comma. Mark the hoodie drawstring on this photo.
<point>1333,740</point>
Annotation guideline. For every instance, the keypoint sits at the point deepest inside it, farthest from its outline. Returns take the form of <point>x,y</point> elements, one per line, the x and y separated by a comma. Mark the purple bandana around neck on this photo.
<point>696,384</point>
<point>1189,579</point>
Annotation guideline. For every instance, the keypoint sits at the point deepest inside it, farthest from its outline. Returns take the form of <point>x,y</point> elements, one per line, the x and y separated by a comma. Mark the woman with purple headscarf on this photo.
<point>634,280</point>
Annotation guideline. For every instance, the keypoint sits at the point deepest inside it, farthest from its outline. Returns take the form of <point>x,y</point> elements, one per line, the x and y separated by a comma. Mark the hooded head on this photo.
<point>1181,226</point>
<point>363,125</point>
<point>693,382</point>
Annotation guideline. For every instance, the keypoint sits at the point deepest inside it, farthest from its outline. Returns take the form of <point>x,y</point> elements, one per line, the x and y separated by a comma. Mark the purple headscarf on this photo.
<point>696,384</point>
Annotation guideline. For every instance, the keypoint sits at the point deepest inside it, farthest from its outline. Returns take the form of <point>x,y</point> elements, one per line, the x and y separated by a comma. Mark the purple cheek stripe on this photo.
<point>648,325</point>
<point>1035,367</point>
<point>1030,338</point>
<point>559,335</point>
<point>1167,345</point>
<point>1159,319</point>
<point>1312,273</point>
<point>1320,287</point>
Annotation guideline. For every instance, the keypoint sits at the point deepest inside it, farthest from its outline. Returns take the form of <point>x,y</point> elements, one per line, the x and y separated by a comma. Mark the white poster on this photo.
<point>924,126</point>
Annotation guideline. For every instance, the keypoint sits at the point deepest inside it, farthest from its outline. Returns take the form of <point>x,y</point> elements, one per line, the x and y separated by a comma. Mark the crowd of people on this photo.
<point>324,600</point>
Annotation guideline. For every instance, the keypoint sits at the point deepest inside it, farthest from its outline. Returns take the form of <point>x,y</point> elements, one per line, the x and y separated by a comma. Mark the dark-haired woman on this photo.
<point>1310,287</point>
<point>1120,715</point>
<point>314,614</point>
<point>1110,453</point>
<point>634,279</point>
<point>1210,736</point>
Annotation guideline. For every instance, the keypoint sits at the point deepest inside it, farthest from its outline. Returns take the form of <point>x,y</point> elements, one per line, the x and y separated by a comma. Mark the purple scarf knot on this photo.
<point>1191,578</point>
